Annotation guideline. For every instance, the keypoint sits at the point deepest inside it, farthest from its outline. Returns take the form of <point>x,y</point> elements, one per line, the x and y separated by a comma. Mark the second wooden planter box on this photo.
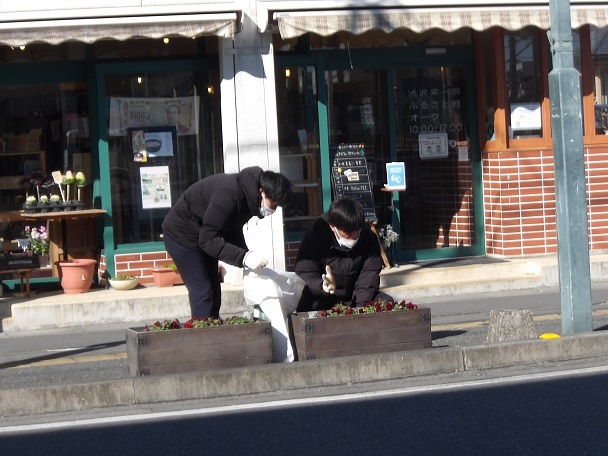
<point>198,349</point>
<point>349,335</point>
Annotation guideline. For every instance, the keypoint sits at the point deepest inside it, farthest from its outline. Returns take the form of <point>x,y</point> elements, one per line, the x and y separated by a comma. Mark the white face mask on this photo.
<point>344,242</point>
<point>266,210</point>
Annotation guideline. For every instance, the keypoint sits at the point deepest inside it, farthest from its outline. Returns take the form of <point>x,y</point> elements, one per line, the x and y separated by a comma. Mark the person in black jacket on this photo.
<point>342,240</point>
<point>206,225</point>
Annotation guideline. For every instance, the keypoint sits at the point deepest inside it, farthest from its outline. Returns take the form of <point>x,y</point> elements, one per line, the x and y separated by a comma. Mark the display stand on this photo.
<point>60,243</point>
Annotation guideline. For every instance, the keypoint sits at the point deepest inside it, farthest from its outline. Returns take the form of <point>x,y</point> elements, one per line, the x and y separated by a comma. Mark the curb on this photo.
<point>304,374</point>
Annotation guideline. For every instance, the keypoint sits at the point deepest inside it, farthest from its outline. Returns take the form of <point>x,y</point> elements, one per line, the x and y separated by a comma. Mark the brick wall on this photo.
<point>519,201</point>
<point>137,264</point>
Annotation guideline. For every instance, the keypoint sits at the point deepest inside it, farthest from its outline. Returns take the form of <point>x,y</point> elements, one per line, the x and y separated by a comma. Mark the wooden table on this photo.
<point>63,217</point>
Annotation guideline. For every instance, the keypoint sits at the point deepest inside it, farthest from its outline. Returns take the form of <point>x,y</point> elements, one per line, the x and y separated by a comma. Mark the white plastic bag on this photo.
<point>277,294</point>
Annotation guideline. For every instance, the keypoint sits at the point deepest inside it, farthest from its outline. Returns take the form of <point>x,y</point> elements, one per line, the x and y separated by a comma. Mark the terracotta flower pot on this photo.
<point>166,277</point>
<point>77,275</point>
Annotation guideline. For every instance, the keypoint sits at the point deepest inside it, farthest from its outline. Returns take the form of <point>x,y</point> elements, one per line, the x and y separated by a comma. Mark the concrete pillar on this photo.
<point>249,124</point>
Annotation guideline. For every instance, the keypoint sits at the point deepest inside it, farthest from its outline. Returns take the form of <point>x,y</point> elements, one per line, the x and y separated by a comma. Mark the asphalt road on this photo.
<point>547,410</point>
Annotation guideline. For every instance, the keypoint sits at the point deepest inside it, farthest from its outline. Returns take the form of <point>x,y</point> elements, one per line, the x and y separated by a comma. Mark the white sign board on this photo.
<point>395,176</point>
<point>433,145</point>
<point>525,116</point>
<point>155,187</point>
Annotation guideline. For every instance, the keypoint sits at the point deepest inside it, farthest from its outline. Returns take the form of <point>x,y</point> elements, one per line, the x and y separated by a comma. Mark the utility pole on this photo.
<point>570,188</point>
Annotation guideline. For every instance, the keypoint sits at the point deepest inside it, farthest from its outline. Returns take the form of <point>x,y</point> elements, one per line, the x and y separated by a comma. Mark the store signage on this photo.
<point>433,145</point>
<point>395,176</point>
<point>350,177</point>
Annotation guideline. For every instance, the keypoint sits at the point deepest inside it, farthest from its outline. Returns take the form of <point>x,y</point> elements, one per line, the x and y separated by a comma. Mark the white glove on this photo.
<point>254,260</point>
<point>329,286</point>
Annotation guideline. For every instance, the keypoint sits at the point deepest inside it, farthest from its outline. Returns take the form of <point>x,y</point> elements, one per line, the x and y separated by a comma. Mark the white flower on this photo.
<point>68,178</point>
<point>80,178</point>
<point>388,236</point>
<point>55,199</point>
<point>44,199</point>
<point>30,200</point>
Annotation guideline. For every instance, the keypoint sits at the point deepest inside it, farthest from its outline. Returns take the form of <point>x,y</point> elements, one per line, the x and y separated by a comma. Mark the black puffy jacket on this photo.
<point>356,271</point>
<point>211,213</point>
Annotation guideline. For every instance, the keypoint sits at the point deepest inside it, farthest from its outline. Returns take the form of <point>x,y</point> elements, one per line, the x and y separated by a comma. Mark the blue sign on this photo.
<point>395,176</point>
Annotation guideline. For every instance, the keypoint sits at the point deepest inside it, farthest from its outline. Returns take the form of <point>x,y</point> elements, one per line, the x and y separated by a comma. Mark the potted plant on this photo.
<point>124,282</point>
<point>166,275</point>
<point>43,203</point>
<point>55,203</point>
<point>169,347</point>
<point>30,205</point>
<point>38,240</point>
<point>377,327</point>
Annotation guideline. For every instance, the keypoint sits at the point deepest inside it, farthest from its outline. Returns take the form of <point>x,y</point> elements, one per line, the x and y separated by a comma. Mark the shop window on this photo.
<point>524,83</point>
<point>43,128</point>
<point>599,56</point>
<point>299,150</point>
<point>489,83</point>
<point>374,39</point>
<point>145,47</point>
<point>163,135</point>
<point>38,52</point>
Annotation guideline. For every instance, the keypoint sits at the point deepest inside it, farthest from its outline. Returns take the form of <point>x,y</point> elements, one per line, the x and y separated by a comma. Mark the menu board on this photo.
<point>350,176</point>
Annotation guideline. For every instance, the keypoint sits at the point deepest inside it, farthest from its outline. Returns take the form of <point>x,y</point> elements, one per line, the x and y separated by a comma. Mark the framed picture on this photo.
<point>152,142</point>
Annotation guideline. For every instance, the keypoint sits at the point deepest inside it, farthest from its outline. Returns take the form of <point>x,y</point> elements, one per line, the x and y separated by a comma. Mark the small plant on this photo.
<point>388,236</point>
<point>30,200</point>
<point>170,266</point>
<point>371,307</point>
<point>201,322</point>
<point>124,277</point>
<point>38,239</point>
<point>44,199</point>
<point>55,199</point>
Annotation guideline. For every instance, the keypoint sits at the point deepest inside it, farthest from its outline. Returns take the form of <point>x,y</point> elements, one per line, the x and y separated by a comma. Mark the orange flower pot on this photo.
<point>166,277</point>
<point>77,275</point>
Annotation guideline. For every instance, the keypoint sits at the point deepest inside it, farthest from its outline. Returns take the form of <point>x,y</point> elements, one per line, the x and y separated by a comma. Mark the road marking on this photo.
<point>72,360</point>
<point>323,400</point>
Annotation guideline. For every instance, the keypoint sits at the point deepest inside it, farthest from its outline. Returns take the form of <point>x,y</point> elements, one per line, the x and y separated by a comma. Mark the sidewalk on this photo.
<point>408,282</point>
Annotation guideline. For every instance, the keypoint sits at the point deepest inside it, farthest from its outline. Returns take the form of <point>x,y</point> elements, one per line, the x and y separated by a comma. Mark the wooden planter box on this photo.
<point>166,277</point>
<point>198,349</point>
<point>349,335</point>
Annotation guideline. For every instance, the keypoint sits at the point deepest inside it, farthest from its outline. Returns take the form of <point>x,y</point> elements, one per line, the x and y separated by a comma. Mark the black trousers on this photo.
<point>200,274</point>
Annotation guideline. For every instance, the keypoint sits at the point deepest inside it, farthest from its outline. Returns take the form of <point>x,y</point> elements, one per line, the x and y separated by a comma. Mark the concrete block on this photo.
<point>510,325</point>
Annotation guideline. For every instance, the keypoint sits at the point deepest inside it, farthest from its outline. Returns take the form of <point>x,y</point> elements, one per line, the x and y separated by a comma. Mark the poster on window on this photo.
<point>155,187</point>
<point>179,112</point>
<point>433,145</point>
<point>526,116</point>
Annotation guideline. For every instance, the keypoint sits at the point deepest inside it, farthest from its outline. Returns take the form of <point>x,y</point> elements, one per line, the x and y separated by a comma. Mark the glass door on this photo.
<point>436,141</point>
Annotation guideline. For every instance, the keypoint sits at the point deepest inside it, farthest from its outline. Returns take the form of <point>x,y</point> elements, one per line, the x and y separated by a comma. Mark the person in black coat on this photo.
<point>340,239</point>
<point>206,225</point>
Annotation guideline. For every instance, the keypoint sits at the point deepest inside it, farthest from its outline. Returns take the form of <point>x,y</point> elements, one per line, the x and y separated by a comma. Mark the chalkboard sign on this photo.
<point>350,176</point>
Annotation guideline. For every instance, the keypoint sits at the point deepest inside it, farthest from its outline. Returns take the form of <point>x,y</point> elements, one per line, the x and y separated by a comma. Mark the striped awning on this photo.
<point>121,28</point>
<point>295,23</point>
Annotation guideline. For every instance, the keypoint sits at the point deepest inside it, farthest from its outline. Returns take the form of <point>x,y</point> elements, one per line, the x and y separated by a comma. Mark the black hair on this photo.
<point>276,187</point>
<point>346,214</point>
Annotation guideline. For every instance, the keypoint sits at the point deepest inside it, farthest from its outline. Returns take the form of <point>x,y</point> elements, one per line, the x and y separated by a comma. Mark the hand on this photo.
<point>329,286</point>
<point>254,260</point>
